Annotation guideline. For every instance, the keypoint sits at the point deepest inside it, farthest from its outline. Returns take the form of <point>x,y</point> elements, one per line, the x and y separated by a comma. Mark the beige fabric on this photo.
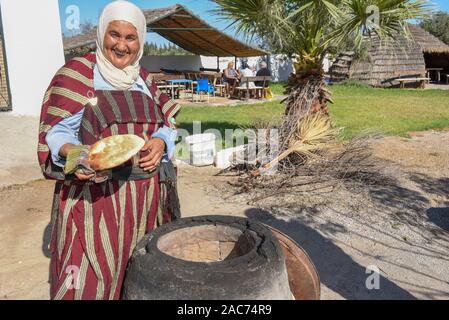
<point>122,79</point>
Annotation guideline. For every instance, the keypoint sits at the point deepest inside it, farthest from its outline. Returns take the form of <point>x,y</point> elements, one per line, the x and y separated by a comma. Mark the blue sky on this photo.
<point>442,4</point>
<point>90,11</point>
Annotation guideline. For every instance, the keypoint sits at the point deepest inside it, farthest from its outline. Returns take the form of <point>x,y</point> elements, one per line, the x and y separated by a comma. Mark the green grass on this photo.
<point>389,111</point>
<point>278,88</point>
<point>357,109</point>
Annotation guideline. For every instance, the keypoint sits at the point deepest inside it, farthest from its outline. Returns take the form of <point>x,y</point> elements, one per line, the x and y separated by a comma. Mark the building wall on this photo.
<point>281,66</point>
<point>34,50</point>
<point>211,62</point>
<point>193,63</point>
<point>5,102</point>
<point>155,63</point>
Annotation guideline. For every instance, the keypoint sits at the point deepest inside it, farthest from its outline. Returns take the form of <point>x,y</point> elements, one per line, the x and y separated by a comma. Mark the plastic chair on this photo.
<point>204,86</point>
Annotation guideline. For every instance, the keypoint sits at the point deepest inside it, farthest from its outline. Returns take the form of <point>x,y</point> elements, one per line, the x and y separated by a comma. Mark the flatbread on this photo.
<point>114,151</point>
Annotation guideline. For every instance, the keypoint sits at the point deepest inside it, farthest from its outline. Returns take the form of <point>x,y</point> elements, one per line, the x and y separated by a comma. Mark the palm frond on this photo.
<point>393,19</point>
<point>313,27</point>
<point>313,133</point>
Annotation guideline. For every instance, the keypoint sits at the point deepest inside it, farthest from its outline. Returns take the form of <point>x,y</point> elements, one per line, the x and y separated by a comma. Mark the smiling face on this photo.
<point>121,44</point>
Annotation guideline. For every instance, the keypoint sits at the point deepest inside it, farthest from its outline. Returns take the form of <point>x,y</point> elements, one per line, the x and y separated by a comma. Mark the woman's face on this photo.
<point>121,44</point>
<point>231,65</point>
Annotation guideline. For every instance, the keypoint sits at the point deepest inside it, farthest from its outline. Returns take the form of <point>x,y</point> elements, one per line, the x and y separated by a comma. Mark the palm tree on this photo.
<point>308,30</point>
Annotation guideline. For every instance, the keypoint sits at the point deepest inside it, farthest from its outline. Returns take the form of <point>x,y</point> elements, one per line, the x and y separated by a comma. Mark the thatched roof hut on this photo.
<point>388,60</point>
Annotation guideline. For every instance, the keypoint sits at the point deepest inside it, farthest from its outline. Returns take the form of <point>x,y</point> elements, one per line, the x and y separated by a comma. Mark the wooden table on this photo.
<point>178,82</point>
<point>422,81</point>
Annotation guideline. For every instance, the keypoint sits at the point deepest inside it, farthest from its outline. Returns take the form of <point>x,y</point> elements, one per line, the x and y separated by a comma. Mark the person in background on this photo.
<point>263,72</point>
<point>248,71</point>
<point>231,78</point>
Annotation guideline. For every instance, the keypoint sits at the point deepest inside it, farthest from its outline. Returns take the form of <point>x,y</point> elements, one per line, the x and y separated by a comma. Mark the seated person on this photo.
<point>263,72</point>
<point>230,78</point>
<point>247,71</point>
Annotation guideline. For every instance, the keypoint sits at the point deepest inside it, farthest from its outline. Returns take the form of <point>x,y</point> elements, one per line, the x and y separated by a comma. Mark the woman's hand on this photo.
<point>63,152</point>
<point>156,149</point>
<point>83,177</point>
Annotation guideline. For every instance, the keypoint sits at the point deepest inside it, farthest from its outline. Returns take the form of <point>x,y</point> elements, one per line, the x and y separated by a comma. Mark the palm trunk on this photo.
<point>306,94</point>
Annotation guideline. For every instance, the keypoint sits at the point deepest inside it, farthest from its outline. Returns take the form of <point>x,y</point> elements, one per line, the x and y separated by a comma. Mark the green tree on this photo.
<point>309,29</point>
<point>152,49</point>
<point>438,25</point>
<point>87,26</point>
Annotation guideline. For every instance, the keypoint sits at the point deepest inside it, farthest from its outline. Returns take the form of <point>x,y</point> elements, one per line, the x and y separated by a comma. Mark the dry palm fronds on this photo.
<point>313,133</point>
<point>348,166</point>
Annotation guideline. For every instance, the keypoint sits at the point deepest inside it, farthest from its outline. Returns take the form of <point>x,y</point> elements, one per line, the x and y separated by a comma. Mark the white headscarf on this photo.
<point>120,10</point>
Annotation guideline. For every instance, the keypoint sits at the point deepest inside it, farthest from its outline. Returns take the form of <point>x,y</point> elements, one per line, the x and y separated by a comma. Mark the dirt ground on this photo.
<point>402,230</point>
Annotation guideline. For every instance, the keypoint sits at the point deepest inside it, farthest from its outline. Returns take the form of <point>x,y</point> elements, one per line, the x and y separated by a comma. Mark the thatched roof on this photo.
<point>428,42</point>
<point>182,27</point>
<point>389,59</point>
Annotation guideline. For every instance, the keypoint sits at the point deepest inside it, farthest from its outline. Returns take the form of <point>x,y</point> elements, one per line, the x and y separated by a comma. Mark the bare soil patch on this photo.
<point>402,229</point>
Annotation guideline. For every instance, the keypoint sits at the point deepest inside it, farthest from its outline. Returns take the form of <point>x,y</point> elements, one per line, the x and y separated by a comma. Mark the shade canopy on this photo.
<point>183,28</point>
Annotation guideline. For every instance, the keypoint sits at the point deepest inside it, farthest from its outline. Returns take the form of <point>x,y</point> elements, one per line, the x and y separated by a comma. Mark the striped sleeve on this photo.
<point>67,95</point>
<point>169,107</point>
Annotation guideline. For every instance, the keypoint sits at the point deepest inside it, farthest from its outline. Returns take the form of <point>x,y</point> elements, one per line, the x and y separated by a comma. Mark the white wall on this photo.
<point>280,66</point>
<point>193,63</point>
<point>155,63</point>
<point>34,50</point>
<point>211,62</point>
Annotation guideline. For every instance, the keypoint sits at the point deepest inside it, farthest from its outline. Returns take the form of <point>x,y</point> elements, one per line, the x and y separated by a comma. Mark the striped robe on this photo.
<point>96,227</point>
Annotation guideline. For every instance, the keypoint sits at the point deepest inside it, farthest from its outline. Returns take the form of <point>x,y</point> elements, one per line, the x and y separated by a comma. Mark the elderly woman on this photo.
<point>230,78</point>
<point>99,218</point>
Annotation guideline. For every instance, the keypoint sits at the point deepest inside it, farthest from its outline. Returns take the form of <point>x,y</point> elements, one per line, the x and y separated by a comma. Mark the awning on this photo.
<point>183,28</point>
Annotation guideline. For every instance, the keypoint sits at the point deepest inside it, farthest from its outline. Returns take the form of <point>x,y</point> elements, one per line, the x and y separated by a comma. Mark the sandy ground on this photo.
<point>403,230</point>
<point>442,86</point>
<point>18,147</point>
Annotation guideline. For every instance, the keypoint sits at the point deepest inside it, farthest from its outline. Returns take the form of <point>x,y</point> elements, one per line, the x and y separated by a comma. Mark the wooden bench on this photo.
<point>246,88</point>
<point>422,81</point>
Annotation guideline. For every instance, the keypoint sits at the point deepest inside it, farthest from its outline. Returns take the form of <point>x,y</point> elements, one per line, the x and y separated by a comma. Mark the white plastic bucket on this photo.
<point>202,149</point>
<point>225,158</point>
